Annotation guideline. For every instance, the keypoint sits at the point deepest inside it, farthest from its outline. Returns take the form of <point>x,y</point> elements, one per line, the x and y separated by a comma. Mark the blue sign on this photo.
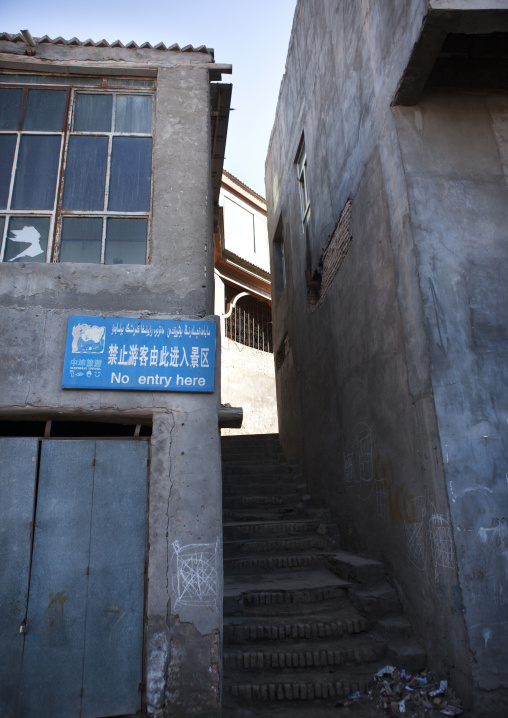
<point>141,354</point>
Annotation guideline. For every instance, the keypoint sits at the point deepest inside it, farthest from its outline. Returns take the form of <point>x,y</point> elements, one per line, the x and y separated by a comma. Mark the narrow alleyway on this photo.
<point>306,625</point>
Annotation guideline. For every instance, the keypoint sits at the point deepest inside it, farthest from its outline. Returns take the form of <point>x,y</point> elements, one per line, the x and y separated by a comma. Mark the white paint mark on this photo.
<point>451,492</point>
<point>197,573</point>
<point>28,235</point>
<point>486,633</point>
<point>474,488</point>
<point>447,455</point>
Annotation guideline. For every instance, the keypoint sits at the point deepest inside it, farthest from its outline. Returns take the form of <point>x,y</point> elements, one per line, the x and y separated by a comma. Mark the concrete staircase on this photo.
<point>305,624</point>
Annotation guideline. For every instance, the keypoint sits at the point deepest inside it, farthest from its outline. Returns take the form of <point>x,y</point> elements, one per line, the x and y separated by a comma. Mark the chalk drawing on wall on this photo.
<point>416,533</point>
<point>441,542</point>
<point>415,544</point>
<point>358,464</point>
<point>197,574</point>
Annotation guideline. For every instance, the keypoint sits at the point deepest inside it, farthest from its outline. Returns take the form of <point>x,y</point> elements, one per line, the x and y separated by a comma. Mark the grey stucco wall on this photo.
<point>359,393</point>
<point>455,150</point>
<point>248,381</point>
<point>182,641</point>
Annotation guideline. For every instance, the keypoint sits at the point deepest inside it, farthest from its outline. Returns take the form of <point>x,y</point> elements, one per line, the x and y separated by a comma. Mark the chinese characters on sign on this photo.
<point>142,354</point>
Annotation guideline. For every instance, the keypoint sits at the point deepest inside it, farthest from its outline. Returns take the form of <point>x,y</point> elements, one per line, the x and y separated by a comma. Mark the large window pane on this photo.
<point>45,110</point>
<point>7,149</point>
<point>125,241</point>
<point>92,113</point>
<point>133,113</point>
<point>36,173</point>
<point>11,100</point>
<point>131,166</point>
<point>85,173</point>
<point>27,239</point>
<point>81,240</point>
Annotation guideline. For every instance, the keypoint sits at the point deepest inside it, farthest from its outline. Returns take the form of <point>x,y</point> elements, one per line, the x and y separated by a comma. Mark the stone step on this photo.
<point>263,513</point>
<point>270,488</point>
<point>294,686</point>
<point>394,628</point>
<point>376,601</point>
<point>351,567</point>
<point>241,502</point>
<point>248,469</point>
<point>336,624</point>
<point>293,562</point>
<point>407,654</point>
<point>309,654</point>
<point>290,592</point>
<point>277,545</point>
<point>293,527</point>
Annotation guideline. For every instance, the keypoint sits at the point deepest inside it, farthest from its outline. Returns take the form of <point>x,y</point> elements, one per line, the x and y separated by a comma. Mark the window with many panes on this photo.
<point>75,168</point>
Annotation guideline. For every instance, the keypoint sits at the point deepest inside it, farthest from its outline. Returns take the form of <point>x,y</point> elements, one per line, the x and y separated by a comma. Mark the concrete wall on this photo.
<point>182,642</point>
<point>248,381</point>
<point>358,384</point>
<point>455,152</point>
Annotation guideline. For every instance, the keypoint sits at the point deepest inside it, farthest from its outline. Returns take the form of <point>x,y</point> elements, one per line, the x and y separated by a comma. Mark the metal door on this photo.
<point>82,654</point>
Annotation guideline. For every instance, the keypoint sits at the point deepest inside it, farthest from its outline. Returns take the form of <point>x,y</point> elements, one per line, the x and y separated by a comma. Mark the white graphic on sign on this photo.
<point>88,339</point>
<point>30,236</point>
<point>197,574</point>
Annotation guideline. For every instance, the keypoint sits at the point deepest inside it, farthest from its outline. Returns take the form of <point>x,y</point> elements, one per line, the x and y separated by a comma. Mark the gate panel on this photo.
<point>18,470</point>
<point>114,628</point>
<point>53,657</point>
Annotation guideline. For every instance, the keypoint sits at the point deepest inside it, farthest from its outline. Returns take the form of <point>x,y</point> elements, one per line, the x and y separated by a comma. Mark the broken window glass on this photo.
<point>36,172</point>
<point>81,240</point>
<point>27,239</point>
<point>125,241</point>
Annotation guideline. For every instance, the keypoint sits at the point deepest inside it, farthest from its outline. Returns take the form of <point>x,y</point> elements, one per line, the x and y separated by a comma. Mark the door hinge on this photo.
<point>24,626</point>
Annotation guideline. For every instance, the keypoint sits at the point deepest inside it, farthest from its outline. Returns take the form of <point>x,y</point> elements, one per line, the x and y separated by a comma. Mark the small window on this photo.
<point>93,142</point>
<point>301,171</point>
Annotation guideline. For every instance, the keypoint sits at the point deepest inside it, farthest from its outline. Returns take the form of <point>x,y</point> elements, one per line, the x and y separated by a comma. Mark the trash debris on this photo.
<point>451,711</point>
<point>355,696</point>
<point>442,687</point>
<point>396,691</point>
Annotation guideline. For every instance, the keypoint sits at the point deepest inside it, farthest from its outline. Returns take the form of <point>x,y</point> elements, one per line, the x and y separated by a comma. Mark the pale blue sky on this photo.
<point>252,36</point>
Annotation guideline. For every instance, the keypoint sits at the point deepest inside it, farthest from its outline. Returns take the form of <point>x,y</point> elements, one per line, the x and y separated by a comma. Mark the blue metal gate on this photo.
<point>83,596</point>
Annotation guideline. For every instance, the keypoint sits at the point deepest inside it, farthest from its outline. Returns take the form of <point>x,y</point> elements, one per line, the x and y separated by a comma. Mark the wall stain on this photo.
<point>56,606</point>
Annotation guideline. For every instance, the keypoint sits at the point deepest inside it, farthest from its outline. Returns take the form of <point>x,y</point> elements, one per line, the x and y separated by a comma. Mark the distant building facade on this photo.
<point>243,301</point>
<point>387,194</point>
<point>111,517</point>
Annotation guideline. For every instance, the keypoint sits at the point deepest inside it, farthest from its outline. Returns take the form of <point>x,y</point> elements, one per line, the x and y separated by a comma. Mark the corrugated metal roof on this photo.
<point>104,43</point>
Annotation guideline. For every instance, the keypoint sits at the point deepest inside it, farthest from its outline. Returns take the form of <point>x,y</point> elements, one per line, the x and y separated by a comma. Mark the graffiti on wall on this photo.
<point>427,532</point>
<point>196,574</point>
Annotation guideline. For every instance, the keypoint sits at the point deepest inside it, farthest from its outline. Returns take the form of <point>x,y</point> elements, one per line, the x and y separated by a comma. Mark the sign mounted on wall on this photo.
<point>141,354</point>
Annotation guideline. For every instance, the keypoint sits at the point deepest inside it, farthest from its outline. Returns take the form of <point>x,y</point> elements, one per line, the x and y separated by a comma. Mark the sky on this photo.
<point>252,36</point>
